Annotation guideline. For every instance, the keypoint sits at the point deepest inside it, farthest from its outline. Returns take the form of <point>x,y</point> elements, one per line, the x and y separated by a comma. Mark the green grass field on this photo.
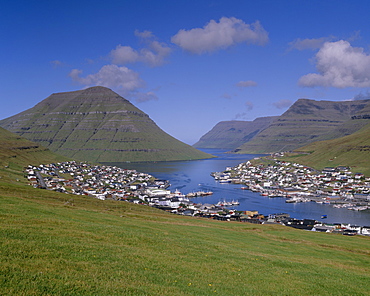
<point>58,244</point>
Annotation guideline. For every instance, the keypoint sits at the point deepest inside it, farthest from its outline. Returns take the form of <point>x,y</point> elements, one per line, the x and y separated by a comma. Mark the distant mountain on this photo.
<point>232,134</point>
<point>96,124</point>
<point>308,121</point>
<point>352,150</point>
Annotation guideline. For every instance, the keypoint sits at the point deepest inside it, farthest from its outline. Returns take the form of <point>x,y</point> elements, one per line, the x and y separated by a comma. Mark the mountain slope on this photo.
<point>96,124</point>
<point>352,150</point>
<point>17,152</point>
<point>307,121</point>
<point>232,134</point>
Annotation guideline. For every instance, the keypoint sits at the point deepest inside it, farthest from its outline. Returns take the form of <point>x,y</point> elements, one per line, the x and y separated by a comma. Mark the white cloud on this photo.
<point>124,55</point>
<point>144,97</point>
<point>247,83</point>
<point>111,76</point>
<point>222,34</point>
<point>284,103</point>
<point>302,44</point>
<point>339,65</point>
<point>122,78</point>
<point>56,63</point>
<point>249,105</point>
<point>361,96</point>
<point>154,55</point>
<point>144,34</point>
<point>226,96</point>
<point>241,116</point>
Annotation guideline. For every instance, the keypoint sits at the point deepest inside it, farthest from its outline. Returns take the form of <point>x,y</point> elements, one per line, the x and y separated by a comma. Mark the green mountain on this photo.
<point>232,134</point>
<point>308,121</point>
<point>96,124</point>
<point>352,150</point>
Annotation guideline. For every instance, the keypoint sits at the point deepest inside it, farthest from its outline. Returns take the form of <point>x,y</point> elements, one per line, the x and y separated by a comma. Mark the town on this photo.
<point>284,179</point>
<point>297,183</point>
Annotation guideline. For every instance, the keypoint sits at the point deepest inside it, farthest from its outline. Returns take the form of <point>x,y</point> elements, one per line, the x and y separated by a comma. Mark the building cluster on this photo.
<point>110,182</point>
<point>297,183</point>
<point>81,178</point>
<point>313,225</point>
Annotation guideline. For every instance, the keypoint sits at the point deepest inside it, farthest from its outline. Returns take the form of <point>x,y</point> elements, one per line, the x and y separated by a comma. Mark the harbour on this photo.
<point>195,176</point>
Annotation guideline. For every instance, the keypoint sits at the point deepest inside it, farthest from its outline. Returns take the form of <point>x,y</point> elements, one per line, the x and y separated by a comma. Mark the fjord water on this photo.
<point>191,176</point>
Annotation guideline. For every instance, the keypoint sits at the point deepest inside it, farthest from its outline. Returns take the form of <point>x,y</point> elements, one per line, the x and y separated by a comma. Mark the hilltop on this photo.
<point>98,125</point>
<point>308,121</point>
<point>232,134</point>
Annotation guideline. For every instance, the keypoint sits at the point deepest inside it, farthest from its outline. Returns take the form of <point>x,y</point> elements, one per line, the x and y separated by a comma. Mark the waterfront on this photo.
<point>191,176</point>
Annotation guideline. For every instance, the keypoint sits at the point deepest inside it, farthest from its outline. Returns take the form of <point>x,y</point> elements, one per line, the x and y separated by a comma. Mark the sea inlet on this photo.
<point>194,175</point>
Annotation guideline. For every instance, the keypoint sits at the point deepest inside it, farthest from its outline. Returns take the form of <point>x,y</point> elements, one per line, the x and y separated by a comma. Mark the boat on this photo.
<point>224,203</point>
<point>324,216</point>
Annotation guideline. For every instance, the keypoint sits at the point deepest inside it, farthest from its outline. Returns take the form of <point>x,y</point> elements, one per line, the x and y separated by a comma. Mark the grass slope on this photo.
<point>352,150</point>
<point>17,152</point>
<point>55,244</point>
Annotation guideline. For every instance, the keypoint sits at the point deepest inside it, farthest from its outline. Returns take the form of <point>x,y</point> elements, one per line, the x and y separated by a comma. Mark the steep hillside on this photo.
<point>232,134</point>
<point>352,150</point>
<point>96,124</point>
<point>307,121</point>
<point>17,152</point>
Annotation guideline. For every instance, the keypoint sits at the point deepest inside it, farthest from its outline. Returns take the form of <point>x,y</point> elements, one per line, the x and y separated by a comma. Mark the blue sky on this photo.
<point>187,64</point>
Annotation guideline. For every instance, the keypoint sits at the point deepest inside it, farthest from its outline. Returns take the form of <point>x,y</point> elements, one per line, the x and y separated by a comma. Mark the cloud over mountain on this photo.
<point>217,35</point>
<point>339,65</point>
<point>361,96</point>
<point>111,76</point>
<point>283,103</point>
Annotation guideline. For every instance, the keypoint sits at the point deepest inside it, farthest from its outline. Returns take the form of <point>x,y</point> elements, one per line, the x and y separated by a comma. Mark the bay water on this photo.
<point>192,176</point>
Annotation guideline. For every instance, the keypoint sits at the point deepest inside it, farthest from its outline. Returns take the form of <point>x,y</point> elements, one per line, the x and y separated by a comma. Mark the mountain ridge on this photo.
<point>308,121</point>
<point>232,134</point>
<point>96,124</point>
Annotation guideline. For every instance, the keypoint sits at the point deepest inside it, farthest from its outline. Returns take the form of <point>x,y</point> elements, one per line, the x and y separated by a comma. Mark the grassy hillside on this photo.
<point>57,244</point>
<point>98,125</point>
<point>352,150</point>
<point>17,152</point>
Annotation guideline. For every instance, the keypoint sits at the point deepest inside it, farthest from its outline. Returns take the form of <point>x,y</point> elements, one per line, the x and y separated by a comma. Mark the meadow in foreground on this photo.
<point>57,244</point>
